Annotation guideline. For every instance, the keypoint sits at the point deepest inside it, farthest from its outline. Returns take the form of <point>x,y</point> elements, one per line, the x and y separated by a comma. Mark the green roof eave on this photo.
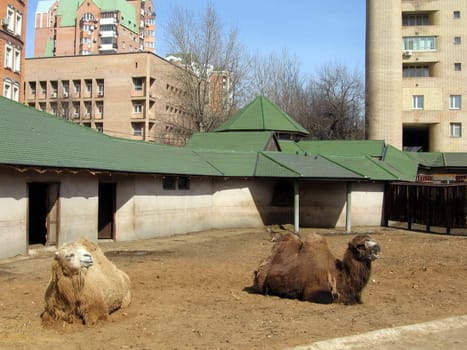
<point>373,148</point>
<point>238,141</point>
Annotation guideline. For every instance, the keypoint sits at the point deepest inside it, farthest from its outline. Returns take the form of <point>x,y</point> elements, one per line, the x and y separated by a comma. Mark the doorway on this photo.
<point>106,215</point>
<point>43,213</point>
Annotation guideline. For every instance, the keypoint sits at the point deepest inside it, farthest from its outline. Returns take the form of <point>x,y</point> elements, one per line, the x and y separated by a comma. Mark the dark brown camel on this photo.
<point>307,270</point>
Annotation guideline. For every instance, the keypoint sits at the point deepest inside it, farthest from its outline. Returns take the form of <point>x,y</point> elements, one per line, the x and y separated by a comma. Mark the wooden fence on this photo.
<point>440,205</point>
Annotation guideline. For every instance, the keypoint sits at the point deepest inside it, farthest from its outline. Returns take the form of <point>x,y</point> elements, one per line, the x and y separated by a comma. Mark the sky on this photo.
<point>313,31</point>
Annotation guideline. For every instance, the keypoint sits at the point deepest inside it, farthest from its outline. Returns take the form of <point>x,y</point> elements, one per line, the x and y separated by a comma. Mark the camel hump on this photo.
<point>316,241</point>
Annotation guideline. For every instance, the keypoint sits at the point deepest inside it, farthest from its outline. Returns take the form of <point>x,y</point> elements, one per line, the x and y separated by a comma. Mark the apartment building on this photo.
<point>87,27</point>
<point>12,48</point>
<point>416,73</point>
<point>129,95</point>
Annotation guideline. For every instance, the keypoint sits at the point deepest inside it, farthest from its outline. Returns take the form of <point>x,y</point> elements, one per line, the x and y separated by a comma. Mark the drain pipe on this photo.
<point>348,208</point>
<point>296,206</point>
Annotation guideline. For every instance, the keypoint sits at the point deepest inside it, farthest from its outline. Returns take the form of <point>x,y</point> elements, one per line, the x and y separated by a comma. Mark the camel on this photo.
<point>308,271</point>
<point>84,285</point>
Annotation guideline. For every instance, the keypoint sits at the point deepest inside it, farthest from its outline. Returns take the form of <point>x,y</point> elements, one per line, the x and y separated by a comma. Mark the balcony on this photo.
<point>108,47</point>
<point>110,20</point>
<point>108,34</point>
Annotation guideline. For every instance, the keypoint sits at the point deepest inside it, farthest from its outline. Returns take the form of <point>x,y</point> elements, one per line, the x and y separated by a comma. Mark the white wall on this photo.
<point>145,210</point>
<point>13,219</point>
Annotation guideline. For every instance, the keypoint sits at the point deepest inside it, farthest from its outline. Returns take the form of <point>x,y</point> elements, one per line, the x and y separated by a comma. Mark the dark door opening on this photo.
<point>416,139</point>
<point>106,210</point>
<point>43,213</point>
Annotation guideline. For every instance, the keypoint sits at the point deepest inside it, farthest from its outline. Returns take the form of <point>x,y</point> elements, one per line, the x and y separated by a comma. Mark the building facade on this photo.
<point>416,73</point>
<point>130,95</point>
<point>85,27</point>
<point>12,48</point>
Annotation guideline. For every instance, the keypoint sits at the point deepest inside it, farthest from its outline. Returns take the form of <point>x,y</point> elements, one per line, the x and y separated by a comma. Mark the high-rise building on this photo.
<point>12,48</point>
<point>85,27</point>
<point>416,74</point>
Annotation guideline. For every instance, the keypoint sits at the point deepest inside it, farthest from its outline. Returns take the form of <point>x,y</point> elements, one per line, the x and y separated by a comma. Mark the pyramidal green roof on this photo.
<point>262,115</point>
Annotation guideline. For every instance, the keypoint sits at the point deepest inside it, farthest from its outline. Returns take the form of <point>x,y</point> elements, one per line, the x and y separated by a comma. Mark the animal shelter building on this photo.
<point>60,181</point>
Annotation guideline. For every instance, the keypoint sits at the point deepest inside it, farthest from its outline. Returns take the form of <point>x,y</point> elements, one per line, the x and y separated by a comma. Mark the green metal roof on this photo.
<point>439,159</point>
<point>31,137</point>
<point>314,166</point>
<point>231,163</point>
<point>234,141</point>
<point>261,115</point>
<point>400,162</point>
<point>67,10</point>
<point>430,159</point>
<point>373,148</point>
<point>458,159</point>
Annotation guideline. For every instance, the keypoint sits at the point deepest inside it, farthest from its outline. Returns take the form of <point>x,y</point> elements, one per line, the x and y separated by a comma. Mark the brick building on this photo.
<point>85,27</point>
<point>130,95</point>
<point>12,48</point>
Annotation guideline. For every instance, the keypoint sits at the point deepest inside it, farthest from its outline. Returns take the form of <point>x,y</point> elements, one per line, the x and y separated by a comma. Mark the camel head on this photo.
<point>73,258</point>
<point>364,248</point>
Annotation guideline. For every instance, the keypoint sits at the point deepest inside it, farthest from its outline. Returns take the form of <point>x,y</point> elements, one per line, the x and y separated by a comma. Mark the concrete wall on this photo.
<point>13,221</point>
<point>144,209</point>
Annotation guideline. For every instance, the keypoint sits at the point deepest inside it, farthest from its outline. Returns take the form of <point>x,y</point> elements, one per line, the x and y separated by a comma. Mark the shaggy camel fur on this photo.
<point>84,284</point>
<point>307,270</point>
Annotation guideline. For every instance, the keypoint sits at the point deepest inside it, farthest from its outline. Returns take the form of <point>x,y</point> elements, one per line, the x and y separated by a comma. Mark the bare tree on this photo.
<point>212,59</point>
<point>278,77</point>
<point>329,105</point>
<point>335,104</point>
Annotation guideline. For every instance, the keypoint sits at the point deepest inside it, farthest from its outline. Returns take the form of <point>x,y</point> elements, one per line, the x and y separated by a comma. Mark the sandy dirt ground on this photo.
<point>191,292</point>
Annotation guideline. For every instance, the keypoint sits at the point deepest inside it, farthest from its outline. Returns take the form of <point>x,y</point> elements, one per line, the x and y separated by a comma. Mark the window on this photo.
<point>43,87</point>
<point>66,89</point>
<point>455,102</point>
<point>87,108</point>
<point>19,23</point>
<point>17,60</point>
<point>417,102</point>
<point>456,14</point>
<point>137,129</point>
<point>15,95</point>
<point>88,17</point>
<point>412,19</point>
<point>183,183</point>
<point>420,43</point>
<point>77,85</point>
<point>76,110</point>
<point>457,40</point>
<point>32,87</point>
<point>138,84</point>
<point>10,18</point>
<point>456,129</point>
<point>7,88</point>
<point>100,108</point>
<point>137,107</point>
<point>415,71</point>
<point>169,182</point>
<point>8,56</point>
<point>457,66</point>
<point>88,84</point>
